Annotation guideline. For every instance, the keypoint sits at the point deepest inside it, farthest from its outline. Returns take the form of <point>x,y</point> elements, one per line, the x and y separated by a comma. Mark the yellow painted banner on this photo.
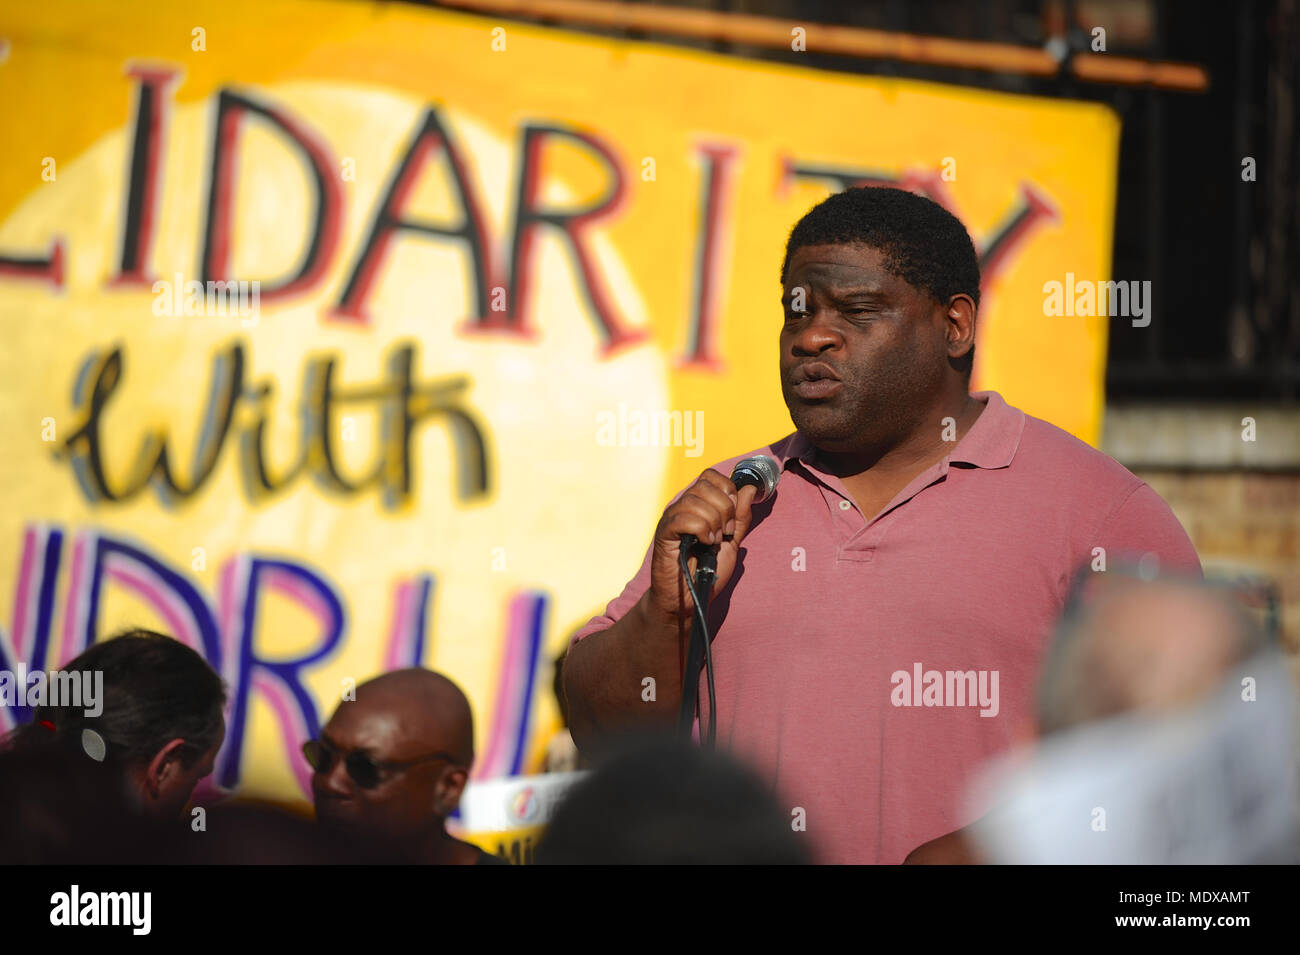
<point>345,336</point>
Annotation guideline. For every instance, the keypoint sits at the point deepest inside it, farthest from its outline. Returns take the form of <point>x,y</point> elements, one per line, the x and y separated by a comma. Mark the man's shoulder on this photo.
<point>1107,501</point>
<point>1068,460</point>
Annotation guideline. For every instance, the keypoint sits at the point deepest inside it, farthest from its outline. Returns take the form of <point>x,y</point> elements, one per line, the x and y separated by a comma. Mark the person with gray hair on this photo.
<point>1127,644</point>
<point>158,725</point>
<point>1166,724</point>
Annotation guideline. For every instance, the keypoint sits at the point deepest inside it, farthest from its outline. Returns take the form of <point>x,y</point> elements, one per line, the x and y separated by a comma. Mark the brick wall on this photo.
<point>1242,521</point>
<point>1231,472</point>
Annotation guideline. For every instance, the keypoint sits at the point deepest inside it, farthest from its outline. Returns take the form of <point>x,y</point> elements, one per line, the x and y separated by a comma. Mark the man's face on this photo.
<point>406,802</point>
<point>867,353</point>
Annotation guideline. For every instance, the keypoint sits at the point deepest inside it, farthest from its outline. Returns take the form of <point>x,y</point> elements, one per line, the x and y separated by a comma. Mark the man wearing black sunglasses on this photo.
<point>390,766</point>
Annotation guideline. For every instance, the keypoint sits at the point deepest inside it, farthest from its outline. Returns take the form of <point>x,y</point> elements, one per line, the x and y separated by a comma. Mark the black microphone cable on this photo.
<point>683,556</point>
<point>763,473</point>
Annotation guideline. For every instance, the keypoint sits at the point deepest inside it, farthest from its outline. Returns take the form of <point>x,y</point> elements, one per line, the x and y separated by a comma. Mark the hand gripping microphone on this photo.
<point>759,472</point>
<point>762,473</point>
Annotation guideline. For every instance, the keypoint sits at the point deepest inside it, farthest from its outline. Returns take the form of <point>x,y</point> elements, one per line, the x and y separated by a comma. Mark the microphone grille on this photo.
<point>760,471</point>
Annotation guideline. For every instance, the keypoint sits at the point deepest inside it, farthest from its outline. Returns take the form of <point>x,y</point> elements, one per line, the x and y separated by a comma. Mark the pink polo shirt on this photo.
<point>827,633</point>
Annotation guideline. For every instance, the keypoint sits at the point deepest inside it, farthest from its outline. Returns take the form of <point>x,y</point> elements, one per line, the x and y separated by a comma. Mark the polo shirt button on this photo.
<point>845,505</point>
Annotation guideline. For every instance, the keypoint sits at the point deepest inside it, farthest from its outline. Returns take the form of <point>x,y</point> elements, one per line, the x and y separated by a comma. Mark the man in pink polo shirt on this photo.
<point>879,622</point>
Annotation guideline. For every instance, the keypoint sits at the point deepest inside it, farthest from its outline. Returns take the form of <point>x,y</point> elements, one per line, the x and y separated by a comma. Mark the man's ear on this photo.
<point>960,318</point>
<point>165,764</point>
<point>448,790</point>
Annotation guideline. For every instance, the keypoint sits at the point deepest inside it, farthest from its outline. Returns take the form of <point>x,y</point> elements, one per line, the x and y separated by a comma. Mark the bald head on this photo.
<point>396,758</point>
<point>431,710</point>
<point>1138,646</point>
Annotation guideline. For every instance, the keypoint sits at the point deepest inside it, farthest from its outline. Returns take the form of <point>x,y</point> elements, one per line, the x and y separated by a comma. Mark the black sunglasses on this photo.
<point>365,771</point>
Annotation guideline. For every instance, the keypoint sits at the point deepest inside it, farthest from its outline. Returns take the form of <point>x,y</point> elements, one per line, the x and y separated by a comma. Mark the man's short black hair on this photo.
<point>922,242</point>
<point>658,801</point>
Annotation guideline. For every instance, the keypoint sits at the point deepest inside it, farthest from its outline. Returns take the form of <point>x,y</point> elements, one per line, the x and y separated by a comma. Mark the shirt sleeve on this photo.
<point>1144,524</point>
<point>621,604</point>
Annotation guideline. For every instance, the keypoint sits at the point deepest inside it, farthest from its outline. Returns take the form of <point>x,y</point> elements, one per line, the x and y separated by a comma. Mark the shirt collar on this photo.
<point>990,443</point>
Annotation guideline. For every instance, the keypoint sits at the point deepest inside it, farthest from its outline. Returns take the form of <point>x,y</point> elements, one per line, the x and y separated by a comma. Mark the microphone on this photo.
<point>760,472</point>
